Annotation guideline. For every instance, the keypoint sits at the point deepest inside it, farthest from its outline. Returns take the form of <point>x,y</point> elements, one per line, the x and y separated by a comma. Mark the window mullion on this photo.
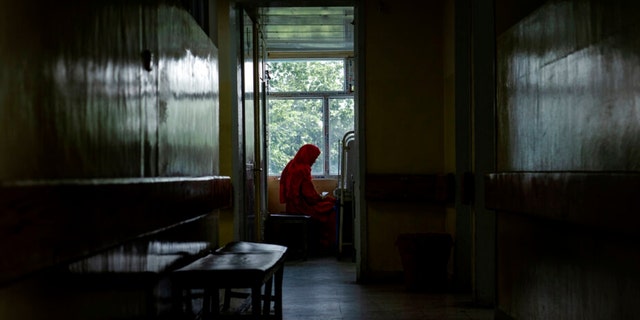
<point>285,80</point>
<point>325,131</point>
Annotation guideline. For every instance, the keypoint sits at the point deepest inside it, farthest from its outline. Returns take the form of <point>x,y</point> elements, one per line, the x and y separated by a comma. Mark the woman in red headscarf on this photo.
<point>299,195</point>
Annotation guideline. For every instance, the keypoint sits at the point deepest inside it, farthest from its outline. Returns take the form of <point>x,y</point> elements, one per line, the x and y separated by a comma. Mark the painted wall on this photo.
<point>404,113</point>
<point>78,103</point>
<point>568,112</point>
<point>449,100</point>
<point>81,110</point>
<point>227,94</point>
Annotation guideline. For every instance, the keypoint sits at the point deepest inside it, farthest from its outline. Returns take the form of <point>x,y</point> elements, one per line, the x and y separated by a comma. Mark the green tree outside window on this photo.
<point>307,103</point>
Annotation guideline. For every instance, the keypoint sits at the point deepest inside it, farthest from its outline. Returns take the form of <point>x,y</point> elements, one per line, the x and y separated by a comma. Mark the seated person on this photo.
<point>299,195</point>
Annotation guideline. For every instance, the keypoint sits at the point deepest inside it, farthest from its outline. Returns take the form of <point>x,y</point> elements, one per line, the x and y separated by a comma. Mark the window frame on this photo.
<point>326,96</point>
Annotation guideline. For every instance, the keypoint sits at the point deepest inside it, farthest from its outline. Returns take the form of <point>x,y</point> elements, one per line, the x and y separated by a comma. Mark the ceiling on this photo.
<point>307,30</point>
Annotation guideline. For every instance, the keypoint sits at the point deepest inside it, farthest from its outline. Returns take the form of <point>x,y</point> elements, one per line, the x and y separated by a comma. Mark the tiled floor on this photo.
<point>325,289</point>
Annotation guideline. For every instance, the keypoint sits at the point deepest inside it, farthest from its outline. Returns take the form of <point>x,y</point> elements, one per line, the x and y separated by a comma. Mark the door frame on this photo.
<point>260,122</point>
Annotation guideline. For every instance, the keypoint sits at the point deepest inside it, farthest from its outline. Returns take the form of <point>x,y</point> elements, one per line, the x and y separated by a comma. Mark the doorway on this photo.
<point>285,34</point>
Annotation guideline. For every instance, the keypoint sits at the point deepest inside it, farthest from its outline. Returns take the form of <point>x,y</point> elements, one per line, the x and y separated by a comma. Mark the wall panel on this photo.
<point>108,131</point>
<point>566,189</point>
<point>567,98</point>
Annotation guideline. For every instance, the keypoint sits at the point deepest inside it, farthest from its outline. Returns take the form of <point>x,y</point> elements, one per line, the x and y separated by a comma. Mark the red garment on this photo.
<point>300,196</point>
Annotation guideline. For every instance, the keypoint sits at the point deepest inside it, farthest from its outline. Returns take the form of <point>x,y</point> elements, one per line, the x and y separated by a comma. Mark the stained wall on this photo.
<point>568,160</point>
<point>108,132</point>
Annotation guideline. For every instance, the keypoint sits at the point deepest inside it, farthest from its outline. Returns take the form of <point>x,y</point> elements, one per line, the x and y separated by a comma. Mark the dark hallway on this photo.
<point>122,128</point>
<point>324,288</point>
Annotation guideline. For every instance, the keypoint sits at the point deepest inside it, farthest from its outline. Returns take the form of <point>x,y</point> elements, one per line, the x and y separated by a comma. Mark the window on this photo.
<point>308,101</point>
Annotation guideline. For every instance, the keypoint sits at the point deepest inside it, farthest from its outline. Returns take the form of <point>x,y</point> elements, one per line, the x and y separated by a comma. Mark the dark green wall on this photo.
<point>98,146</point>
<point>568,137</point>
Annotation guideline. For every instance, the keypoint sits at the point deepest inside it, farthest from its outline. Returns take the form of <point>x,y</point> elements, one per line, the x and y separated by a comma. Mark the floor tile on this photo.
<point>325,288</point>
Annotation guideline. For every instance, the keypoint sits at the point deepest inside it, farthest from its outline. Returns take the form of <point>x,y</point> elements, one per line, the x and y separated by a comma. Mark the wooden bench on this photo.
<point>141,266</point>
<point>236,265</point>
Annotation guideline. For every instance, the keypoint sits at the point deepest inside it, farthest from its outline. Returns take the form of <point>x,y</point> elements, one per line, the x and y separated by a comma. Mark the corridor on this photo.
<point>324,289</point>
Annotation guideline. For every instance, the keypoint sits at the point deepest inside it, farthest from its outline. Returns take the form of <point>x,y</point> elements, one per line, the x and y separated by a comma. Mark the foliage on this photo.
<point>292,123</point>
<point>306,76</point>
<point>296,112</point>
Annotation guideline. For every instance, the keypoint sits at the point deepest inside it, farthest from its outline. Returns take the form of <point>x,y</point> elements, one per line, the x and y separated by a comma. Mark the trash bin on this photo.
<point>425,257</point>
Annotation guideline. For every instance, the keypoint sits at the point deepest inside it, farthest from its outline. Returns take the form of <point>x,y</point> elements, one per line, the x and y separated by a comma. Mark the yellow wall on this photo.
<point>225,222</point>
<point>448,51</point>
<point>404,88</point>
<point>404,117</point>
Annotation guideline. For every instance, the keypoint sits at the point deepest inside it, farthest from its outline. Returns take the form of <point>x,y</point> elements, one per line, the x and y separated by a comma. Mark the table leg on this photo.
<point>266,307</point>
<point>256,301</point>
<point>278,292</point>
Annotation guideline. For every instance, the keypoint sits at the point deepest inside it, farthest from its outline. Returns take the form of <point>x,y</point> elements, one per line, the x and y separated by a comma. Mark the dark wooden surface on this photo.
<point>605,200</point>
<point>46,223</point>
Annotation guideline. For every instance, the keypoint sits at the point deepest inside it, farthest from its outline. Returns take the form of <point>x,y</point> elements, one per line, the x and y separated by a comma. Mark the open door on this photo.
<point>260,35</point>
<point>247,150</point>
<point>248,105</point>
<point>254,129</point>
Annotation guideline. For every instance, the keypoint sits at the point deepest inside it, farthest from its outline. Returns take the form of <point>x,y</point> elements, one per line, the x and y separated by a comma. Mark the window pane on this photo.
<point>293,123</point>
<point>341,121</point>
<point>306,76</point>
